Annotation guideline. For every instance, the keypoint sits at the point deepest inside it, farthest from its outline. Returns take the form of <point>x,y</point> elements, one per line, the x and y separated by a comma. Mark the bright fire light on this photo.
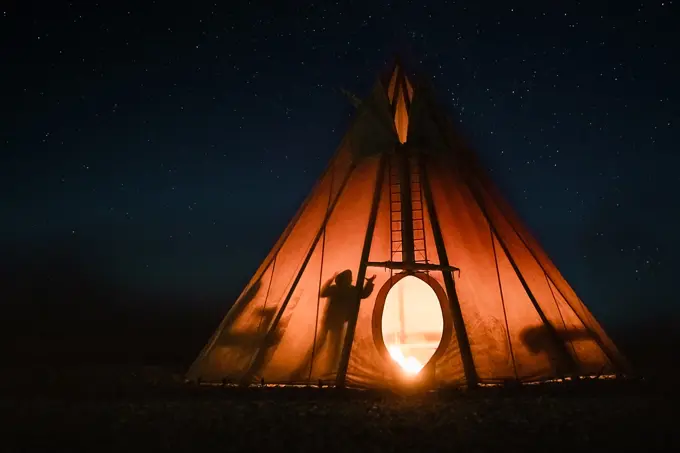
<point>412,324</point>
<point>408,364</point>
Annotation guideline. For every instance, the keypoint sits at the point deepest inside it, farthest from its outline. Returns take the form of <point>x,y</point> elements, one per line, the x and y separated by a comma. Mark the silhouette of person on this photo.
<point>339,309</point>
<point>341,296</point>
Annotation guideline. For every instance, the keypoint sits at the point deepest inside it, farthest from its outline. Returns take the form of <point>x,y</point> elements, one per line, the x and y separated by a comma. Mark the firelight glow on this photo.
<point>412,324</point>
<point>409,364</point>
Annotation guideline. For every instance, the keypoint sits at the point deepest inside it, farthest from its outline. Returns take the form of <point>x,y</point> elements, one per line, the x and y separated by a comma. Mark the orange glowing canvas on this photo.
<point>404,264</point>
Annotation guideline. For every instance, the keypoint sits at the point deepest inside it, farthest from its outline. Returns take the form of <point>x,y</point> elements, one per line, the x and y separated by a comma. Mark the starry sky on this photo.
<point>152,153</point>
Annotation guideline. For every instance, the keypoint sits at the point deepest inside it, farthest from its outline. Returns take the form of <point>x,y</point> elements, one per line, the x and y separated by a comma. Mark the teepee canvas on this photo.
<point>404,264</point>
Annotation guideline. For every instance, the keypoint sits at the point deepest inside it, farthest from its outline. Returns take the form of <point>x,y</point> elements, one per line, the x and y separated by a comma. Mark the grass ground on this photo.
<point>58,411</point>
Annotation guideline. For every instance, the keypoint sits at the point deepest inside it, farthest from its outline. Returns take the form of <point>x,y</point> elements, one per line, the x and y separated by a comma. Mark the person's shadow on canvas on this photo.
<point>340,295</point>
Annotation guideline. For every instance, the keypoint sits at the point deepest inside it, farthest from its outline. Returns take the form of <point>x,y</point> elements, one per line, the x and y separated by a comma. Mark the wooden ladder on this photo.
<point>395,212</point>
<point>419,246</point>
<point>418,226</point>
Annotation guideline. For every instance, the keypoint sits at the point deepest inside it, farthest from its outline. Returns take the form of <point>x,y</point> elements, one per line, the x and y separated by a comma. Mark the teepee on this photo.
<point>405,265</point>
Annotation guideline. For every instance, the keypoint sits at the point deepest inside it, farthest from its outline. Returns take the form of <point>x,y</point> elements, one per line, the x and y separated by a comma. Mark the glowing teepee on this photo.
<point>404,264</point>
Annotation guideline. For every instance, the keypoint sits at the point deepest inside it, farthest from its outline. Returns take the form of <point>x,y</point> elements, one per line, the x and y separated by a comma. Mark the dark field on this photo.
<point>107,410</point>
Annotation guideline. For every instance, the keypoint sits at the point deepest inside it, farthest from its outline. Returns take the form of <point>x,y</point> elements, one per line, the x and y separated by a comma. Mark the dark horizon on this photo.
<point>58,313</point>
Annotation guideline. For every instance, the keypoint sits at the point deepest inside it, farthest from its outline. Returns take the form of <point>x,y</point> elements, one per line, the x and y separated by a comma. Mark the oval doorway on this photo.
<point>411,322</point>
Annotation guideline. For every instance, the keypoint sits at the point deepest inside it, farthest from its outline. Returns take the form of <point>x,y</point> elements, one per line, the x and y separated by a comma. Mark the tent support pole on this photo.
<point>458,322</point>
<point>567,359</point>
<point>551,330</point>
<point>361,276</point>
<point>260,355</point>
<point>271,257</point>
<point>617,361</point>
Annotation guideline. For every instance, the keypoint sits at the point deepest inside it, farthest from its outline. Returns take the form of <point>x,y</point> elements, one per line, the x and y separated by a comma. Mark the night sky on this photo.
<point>152,153</point>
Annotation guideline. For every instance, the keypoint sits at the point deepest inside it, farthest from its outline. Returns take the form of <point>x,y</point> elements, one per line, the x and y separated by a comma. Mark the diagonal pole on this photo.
<point>457,314</point>
<point>351,325</point>
<point>562,350</point>
<point>260,355</point>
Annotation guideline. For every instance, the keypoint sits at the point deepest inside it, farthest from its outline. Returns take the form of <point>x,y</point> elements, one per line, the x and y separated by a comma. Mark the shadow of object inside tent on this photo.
<point>249,338</point>
<point>538,339</point>
<point>238,346</point>
<point>247,342</point>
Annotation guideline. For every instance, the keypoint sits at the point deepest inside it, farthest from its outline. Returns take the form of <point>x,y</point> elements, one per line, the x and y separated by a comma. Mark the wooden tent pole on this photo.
<point>552,332</point>
<point>618,361</point>
<point>458,323</point>
<point>570,362</point>
<point>361,276</point>
<point>259,356</point>
<point>228,318</point>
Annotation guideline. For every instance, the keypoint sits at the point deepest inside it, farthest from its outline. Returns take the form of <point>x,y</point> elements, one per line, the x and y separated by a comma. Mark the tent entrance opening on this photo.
<point>412,323</point>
